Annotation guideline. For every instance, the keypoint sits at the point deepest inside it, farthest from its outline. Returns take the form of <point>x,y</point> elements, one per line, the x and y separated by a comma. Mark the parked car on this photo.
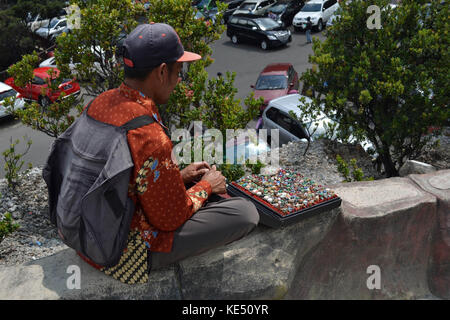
<point>276,116</point>
<point>332,20</point>
<point>38,89</point>
<point>285,11</point>
<point>257,7</point>
<point>232,7</point>
<point>264,31</point>
<point>56,27</point>
<point>274,81</point>
<point>34,22</point>
<point>7,91</point>
<point>318,10</point>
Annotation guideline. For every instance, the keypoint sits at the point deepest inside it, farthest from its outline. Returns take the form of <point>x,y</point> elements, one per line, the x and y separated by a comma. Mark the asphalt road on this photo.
<point>246,60</point>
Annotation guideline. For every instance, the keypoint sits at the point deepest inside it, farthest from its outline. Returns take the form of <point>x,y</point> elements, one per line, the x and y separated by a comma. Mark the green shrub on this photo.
<point>7,226</point>
<point>13,162</point>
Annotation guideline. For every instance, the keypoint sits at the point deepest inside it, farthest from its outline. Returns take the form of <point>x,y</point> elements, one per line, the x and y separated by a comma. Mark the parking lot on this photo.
<point>247,60</point>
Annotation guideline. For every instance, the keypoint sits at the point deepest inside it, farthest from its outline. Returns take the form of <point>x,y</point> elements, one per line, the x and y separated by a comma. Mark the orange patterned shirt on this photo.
<point>162,202</point>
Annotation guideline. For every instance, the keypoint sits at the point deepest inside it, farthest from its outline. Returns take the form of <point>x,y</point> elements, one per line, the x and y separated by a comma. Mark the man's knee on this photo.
<point>248,214</point>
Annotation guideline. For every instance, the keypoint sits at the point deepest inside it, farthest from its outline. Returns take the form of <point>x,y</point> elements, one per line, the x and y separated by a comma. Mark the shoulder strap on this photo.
<point>137,122</point>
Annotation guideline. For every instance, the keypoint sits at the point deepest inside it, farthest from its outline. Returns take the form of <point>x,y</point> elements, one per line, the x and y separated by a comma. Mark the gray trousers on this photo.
<point>219,222</point>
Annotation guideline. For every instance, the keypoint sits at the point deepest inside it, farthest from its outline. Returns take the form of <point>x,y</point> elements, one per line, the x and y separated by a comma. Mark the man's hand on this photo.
<point>194,171</point>
<point>216,180</point>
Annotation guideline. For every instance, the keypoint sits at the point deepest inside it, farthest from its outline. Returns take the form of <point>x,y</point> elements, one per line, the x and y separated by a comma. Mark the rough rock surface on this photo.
<point>415,167</point>
<point>387,223</point>
<point>438,184</point>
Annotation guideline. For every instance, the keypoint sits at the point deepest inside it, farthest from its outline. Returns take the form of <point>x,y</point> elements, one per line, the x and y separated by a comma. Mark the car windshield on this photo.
<point>248,6</point>
<point>311,7</point>
<point>7,94</point>
<point>53,23</point>
<point>266,23</point>
<point>272,82</point>
<point>279,8</point>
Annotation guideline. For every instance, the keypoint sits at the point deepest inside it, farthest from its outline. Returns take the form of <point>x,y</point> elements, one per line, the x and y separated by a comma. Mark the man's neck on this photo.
<point>138,85</point>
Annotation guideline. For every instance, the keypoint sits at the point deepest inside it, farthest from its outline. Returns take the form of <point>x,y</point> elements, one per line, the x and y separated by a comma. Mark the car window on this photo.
<point>289,124</point>
<point>251,24</point>
<point>272,114</point>
<point>311,7</point>
<point>263,4</point>
<point>248,6</point>
<point>271,82</point>
<point>279,8</point>
<point>242,22</point>
<point>7,94</point>
<point>37,80</point>
<point>234,20</point>
<point>332,2</point>
<point>62,24</point>
<point>327,4</point>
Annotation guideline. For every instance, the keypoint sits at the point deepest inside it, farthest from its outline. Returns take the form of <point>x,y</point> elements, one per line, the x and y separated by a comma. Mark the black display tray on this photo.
<point>271,218</point>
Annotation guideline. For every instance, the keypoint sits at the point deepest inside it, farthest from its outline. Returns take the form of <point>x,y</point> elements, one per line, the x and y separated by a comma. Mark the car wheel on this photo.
<point>320,25</point>
<point>264,45</point>
<point>45,103</point>
<point>234,39</point>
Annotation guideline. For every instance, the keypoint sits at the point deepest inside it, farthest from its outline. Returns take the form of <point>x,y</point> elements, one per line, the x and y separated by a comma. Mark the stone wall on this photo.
<point>400,225</point>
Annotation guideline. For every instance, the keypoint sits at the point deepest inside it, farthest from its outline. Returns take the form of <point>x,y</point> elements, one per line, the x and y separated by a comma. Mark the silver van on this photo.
<point>256,7</point>
<point>276,116</point>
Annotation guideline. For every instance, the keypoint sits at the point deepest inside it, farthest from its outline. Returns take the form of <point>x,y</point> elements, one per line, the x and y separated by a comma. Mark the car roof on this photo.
<point>4,87</point>
<point>42,72</point>
<point>276,68</point>
<point>316,1</point>
<point>288,103</point>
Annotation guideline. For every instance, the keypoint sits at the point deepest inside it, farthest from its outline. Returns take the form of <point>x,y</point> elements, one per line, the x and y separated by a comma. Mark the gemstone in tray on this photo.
<point>285,192</point>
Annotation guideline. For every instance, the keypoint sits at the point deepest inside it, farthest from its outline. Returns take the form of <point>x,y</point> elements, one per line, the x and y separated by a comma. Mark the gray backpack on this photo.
<point>87,174</point>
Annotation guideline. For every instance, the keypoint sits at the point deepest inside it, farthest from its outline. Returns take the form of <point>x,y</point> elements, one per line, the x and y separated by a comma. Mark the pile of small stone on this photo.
<point>36,237</point>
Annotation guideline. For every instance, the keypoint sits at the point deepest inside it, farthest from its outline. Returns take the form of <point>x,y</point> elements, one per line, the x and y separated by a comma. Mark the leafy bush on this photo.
<point>13,162</point>
<point>7,226</point>
<point>388,85</point>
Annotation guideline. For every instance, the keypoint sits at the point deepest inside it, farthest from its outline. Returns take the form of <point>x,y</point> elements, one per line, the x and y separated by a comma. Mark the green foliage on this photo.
<point>7,226</point>
<point>231,172</point>
<point>255,167</point>
<point>13,162</point>
<point>388,85</point>
<point>357,173</point>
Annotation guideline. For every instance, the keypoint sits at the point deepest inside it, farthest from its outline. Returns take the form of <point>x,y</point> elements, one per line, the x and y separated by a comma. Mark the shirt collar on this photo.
<point>139,97</point>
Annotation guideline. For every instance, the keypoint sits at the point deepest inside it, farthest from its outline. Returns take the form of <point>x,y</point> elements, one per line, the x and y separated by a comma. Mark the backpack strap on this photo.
<point>137,122</point>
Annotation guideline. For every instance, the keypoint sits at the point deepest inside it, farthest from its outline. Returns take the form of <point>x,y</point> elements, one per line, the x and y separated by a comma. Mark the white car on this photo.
<point>276,116</point>
<point>6,92</point>
<point>256,7</point>
<point>56,27</point>
<point>318,10</point>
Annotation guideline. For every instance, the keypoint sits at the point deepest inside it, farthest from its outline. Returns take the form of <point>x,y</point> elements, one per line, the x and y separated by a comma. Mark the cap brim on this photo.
<point>189,56</point>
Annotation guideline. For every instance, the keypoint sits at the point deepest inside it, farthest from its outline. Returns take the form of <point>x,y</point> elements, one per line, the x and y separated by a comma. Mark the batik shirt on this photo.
<point>156,187</point>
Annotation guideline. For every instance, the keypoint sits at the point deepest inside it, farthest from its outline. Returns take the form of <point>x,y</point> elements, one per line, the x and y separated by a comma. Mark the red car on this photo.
<point>276,80</point>
<point>37,89</point>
